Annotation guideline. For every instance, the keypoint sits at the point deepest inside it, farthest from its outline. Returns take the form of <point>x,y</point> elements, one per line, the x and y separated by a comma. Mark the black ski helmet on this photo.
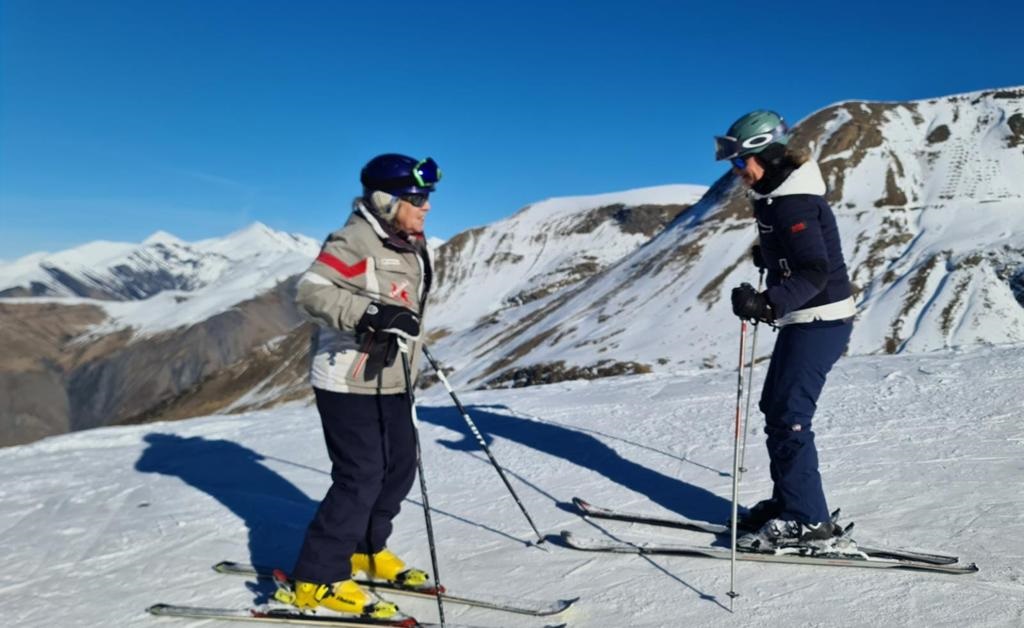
<point>400,174</point>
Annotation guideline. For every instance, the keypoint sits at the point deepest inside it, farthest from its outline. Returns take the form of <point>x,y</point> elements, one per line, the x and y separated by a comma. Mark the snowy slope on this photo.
<point>544,248</point>
<point>923,451</point>
<point>929,197</point>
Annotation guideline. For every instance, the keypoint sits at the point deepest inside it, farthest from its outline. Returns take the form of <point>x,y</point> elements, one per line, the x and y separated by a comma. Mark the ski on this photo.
<point>680,549</point>
<point>279,615</point>
<point>522,607</point>
<point>590,510</point>
<point>598,512</point>
<point>272,614</point>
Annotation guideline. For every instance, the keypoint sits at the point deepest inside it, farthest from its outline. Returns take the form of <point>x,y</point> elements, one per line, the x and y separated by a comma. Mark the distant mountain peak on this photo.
<point>163,237</point>
<point>121,271</point>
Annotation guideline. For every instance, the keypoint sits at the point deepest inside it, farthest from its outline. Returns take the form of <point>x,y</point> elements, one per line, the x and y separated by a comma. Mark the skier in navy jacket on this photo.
<point>808,297</point>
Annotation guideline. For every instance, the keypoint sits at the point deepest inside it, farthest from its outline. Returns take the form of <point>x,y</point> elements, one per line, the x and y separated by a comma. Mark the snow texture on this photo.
<point>923,451</point>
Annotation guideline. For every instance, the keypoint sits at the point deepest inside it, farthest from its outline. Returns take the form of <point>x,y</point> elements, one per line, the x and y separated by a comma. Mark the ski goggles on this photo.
<point>426,173</point>
<point>418,200</point>
<point>739,163</point>
<point>727,147</point>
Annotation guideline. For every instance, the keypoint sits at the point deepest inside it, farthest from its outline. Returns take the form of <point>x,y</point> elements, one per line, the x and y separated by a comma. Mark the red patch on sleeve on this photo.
<point>798,227</point>
<point>347,271</point>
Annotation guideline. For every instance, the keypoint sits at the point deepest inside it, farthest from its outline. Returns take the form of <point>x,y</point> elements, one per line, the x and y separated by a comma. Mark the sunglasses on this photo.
<point>426,173</point>
<point>738,162</point>
<point>418,200</point>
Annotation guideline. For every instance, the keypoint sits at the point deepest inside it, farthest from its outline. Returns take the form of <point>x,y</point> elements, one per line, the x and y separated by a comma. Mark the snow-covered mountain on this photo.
<point>930,201</point>
<point>122,271</point>
<point>200,327</point>
<point>922,451</point>
<point>929,196</point>
<point>492,278</point>
<point>228,337</point>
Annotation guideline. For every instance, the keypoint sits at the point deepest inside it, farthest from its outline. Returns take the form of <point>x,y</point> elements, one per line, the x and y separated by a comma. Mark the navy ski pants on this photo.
<point>802,357</point>
<point>372,445</point>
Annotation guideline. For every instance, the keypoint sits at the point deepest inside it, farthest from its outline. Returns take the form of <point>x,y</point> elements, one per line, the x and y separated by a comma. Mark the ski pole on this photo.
<point>736,466</point>
<point>404,348</point>
<point>480,440</point>
<point>750,381</point>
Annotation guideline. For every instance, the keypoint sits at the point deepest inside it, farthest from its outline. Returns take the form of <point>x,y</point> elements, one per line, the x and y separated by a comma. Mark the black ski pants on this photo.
<point>803,355</point>
<point>372,445</point>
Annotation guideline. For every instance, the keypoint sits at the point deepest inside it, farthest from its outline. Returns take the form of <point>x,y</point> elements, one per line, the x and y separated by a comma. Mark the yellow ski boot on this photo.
<point>384,565</point>
<point>342,597</point>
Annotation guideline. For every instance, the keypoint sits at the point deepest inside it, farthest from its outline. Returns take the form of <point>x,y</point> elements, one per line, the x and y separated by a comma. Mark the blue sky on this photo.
<point>199,117</point>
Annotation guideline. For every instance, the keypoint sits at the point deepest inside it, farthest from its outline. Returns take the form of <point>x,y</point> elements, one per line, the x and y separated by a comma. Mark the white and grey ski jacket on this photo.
<point>365,261</point>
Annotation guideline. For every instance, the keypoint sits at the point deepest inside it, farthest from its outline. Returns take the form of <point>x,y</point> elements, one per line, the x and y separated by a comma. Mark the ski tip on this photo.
<point>224,564</point>
<point>580,503</point>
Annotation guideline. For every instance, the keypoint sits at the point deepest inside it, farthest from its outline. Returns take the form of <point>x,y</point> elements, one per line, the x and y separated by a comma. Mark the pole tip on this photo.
<point>540,544</point>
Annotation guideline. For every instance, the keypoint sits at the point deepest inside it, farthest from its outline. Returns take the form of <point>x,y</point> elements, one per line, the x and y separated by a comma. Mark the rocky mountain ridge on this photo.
<point>161,329</point>
<point>929,196</point>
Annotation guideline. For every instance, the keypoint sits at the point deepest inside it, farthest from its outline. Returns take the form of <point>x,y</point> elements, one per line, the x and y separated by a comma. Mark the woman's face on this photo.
<point>410,218</point>
<point>750,174</point>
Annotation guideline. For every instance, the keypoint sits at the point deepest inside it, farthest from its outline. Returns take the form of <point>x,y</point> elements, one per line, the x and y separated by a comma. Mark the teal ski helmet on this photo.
<point>751,134</point>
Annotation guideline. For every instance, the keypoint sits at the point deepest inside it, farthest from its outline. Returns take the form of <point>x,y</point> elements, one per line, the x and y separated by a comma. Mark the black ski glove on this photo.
<point>390,319</point>
<point>755,252</point>
<point>381,350</point>
<point>748,304</point>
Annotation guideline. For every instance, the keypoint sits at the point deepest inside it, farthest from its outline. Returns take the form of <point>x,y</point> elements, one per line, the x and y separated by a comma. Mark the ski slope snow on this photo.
<point>922,450</point>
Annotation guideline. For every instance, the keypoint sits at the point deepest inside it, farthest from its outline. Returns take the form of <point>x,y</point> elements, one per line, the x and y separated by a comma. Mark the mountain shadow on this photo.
<point>274,510</point>
<point>585,451</point>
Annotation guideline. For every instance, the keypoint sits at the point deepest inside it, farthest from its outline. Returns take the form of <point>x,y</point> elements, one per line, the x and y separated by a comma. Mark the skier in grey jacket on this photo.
<point>366,290</point>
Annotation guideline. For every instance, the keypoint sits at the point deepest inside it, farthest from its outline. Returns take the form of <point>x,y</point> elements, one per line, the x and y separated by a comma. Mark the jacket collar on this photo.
<point>806,179</point>
<point>384,230</point>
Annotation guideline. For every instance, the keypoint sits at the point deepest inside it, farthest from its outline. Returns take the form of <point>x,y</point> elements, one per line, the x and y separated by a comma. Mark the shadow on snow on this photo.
<point>277,513</point>
<point>583,450</point>
<point>273,509</point>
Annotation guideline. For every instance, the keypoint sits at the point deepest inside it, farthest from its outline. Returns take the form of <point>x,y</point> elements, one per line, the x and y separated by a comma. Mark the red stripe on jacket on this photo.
<point>347,271</point>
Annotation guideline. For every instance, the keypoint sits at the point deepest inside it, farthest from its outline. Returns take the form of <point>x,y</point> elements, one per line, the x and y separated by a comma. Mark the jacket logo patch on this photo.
<point>401,291</point>
<point>389,261</point>
<point>798,227</point>
<point>763,228</point>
